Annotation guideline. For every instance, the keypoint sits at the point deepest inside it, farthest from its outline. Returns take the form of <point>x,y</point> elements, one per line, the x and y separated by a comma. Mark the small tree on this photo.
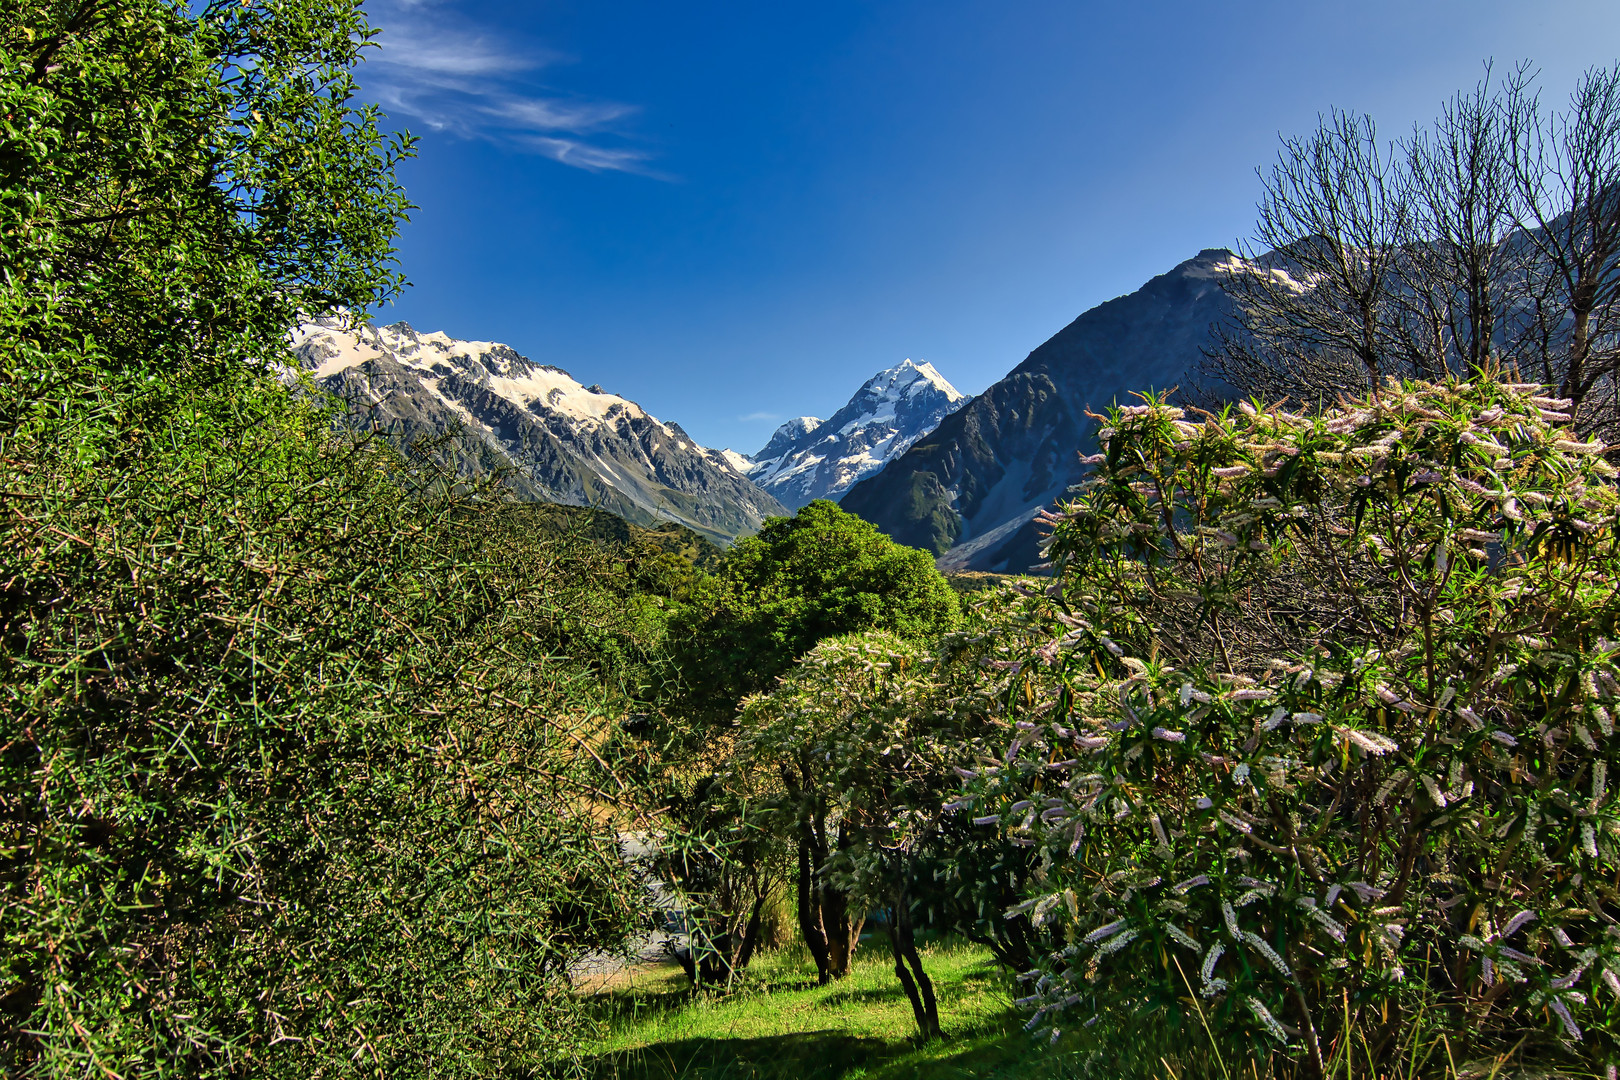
<point>720,856</point>
<point>860,719</point>
<point>816,575</point>
<point>1333,220</point>
<point>1566,174</point>
<point>800,580</point>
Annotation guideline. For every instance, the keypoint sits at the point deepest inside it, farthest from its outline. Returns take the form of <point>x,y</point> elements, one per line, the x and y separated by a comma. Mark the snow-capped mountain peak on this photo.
<point>560,441</point>
<point>488,364</point>
<point>910,377</point>
<point>808,459</point>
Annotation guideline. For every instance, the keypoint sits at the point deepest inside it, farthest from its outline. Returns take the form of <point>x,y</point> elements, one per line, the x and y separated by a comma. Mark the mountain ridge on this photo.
<point>968,491</point>
<point>557,440</point>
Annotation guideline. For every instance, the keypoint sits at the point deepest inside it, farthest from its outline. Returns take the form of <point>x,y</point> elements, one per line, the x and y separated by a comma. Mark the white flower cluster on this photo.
<point>1252,814</point>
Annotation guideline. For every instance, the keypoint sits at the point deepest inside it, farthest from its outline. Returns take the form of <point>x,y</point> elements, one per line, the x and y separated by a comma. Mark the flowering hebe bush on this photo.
<point>1319,736</point>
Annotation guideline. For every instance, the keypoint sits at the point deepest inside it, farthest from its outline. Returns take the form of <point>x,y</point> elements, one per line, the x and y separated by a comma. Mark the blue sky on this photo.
<point>736,212</point>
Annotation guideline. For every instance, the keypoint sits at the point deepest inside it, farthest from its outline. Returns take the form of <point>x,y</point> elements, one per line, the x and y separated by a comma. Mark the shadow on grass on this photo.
<point>807,1055</point>
<point>984,973</point>
<point>865,996</point>
<point>984,1052</point>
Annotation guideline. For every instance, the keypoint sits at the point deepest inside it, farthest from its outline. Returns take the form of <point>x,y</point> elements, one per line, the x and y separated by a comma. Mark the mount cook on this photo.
<point>808,459</point>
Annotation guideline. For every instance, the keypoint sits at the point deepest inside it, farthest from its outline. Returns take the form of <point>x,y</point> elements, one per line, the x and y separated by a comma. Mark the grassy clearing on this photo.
<point>781,1024</point>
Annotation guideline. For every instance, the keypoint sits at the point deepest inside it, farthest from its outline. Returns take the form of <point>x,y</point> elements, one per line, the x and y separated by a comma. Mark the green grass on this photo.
<point>781,1025</point>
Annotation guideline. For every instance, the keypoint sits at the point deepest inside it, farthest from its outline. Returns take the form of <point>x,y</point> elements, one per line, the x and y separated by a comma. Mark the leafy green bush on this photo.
<point>1316,744</point>
<point>801,580</point>
<point>286,780</point>
<point>290,781</point>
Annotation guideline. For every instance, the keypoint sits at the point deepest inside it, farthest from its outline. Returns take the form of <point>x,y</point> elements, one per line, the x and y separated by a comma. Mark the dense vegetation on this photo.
<point>314,760</point>
<point>801,580</point>
<point>293,755</point>
<point>1321,731</point>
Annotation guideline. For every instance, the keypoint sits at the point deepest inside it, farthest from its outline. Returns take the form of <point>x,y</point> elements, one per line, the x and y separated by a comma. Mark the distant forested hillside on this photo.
<point>599,526</point>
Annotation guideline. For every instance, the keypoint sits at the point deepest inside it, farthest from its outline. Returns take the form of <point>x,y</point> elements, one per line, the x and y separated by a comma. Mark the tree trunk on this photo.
<point>909,970</point>
<point>831,931</point>
<point>810,924</point>
<point>843,930</point>
<point>750,939</point>
<point>688,962</point>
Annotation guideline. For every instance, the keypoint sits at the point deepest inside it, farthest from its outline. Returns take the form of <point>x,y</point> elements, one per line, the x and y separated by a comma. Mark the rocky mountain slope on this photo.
<point>969,490</point>
<point>809,459</point>
<point>562,442</point>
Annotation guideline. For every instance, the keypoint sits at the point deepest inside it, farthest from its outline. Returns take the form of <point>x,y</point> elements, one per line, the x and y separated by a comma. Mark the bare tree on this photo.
<point>1318,289</point>
<point>1457,267</point>
<point>1566,169</point>
<point>1487,240</point>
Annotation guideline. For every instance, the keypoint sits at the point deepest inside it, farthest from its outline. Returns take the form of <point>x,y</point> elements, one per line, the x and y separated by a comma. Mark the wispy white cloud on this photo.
<point>537,114</point>
<point>755,417</point>
<point>584,156</point>
<point>435,70</point>
<point>405,44</point>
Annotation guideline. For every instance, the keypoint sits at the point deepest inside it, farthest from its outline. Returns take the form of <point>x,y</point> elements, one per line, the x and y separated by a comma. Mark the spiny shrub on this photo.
<point>1316,744</point>
<point>289,780</point>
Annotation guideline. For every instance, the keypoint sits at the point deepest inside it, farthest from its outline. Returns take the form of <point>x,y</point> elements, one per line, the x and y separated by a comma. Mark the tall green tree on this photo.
<point>288,784</point>
<point>819,574</point>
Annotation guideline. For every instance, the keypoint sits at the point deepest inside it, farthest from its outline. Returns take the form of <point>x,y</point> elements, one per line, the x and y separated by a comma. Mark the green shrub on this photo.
<point>289,776</point>
<point>801,580</point>
<point>291,781</point>
<point>1315,745</point>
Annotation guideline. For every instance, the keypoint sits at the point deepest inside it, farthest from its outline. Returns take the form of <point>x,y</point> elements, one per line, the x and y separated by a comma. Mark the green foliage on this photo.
<point>693,549</point>
<point>857,707</point>
<point>177,183</point>
<point>818,574</point>
<point>864,733</point>
<point>1315,745</point>
<point>718,858</point>
<point>638,579</point>
<point>295,776</point>
<point>780,1024</point>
